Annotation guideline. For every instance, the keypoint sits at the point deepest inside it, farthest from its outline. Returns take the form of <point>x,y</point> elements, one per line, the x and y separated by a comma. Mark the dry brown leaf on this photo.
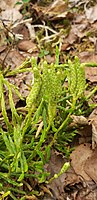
<point>27,45</point>
<point>94,133</point>
<point>78,159</point>
<point>77,188</point>
<point>91,166</point>
<point>54,166</point>
<point>3,40</point>
<point>78,30</point>
<point>85,134</point>
<point>2,48</point>
<point>22,30</point>
<point>93,115</point>
<point>22,80</point>
<point>84,129</point>
<point>50,59</point>
<point>71,177</point>
<point>91,74</point>
<point>57,6</point>
<point>13,58</point>
<point>72,37</point>
<point>31,197</point>
<point>56,10</point>
<point>86,56</point>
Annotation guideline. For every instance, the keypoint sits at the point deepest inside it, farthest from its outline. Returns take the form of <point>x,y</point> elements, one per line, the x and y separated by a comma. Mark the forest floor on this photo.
<point>34,28</point>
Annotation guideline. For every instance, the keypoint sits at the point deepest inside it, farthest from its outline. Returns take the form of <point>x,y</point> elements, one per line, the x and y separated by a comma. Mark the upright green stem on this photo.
<point>65,122</point>
<point>91,93</point>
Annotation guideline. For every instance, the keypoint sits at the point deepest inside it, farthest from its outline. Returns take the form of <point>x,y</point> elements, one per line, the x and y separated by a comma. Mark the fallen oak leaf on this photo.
<point>91,166</point>
<point>78,159</point>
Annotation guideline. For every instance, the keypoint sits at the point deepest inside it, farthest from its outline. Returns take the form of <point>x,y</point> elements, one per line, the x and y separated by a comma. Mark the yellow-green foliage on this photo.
<point>33,95</point>
<point>76,78</point>
<point>21,152</point>
<point>51,88</point>
<point>47,88</point>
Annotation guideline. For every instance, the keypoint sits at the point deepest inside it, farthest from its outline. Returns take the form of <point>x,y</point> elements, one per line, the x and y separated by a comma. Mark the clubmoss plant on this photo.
<point>25,142</point>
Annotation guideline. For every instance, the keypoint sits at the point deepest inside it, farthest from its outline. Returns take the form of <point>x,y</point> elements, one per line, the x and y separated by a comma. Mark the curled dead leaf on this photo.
<point>10,16</point>
<point>91,13</point>
<point>81,120</point>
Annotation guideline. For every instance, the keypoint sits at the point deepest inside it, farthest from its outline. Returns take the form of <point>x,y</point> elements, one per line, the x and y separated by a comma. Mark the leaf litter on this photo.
<point>80,181</point>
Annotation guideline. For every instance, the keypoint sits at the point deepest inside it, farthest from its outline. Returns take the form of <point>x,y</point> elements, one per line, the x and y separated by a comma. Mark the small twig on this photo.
<point>31,30</point>
<point>50,37</point>
<point>45,27</point>
<point>46,30</point>
<point>22,22</point>
<point>27,185</point>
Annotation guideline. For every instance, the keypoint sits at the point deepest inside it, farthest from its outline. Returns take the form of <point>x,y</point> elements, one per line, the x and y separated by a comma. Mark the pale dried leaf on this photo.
<point>78,30</point>
<point>91,74</point>
<point>93,121</point>
<point>94,135</point>
<point>32,197</point>
<point>93,114</point>
<point>31,31</point>
<point>2,48</point>
<point>8,4</point>
<point>39,129</point>
<point>3,40</point>
<point>81,120</point>
<point>77,2</point>
<point>94,132</point>
<point>57,7</point>
<point>56,10</point>
<point>87,56</point>
<point>10,16</point>
<point>59,16</point>
<point>91,13</point>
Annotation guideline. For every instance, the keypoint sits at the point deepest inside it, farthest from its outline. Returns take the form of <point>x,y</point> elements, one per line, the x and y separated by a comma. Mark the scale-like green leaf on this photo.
<point>76,78</point>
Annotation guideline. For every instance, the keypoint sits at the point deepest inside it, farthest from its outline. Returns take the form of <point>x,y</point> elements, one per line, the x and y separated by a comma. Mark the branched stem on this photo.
<point>65,122</point>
